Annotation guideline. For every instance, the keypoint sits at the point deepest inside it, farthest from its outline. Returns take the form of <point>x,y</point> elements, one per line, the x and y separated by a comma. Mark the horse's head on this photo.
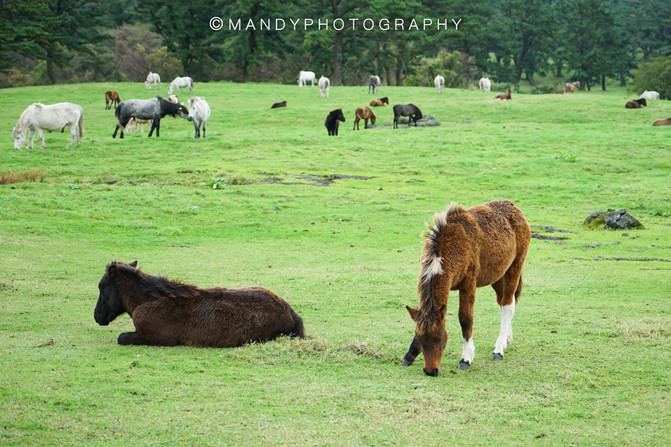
<point>416,112</point>
<point>19,138</point>
<point>339,115</point>
<point>109,304</point>
<point>372,118</point>
<point>183,112</point>
<point>431,336</point>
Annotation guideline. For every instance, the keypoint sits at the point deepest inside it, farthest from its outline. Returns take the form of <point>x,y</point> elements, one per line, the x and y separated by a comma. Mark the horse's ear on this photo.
<point>412,312</point>
<point>133,264</point>
<point>111,269</point>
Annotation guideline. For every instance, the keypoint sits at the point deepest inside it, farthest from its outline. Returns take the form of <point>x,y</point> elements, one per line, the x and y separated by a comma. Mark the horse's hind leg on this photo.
<point>506,290</point>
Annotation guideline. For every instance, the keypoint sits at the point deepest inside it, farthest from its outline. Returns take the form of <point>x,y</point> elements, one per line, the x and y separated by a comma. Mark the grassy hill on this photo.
<point>333,224</point>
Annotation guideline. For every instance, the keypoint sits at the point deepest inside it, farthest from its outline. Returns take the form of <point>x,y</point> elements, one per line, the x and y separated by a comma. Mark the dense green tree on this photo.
<point>185,29</point>
<point>20,31</point>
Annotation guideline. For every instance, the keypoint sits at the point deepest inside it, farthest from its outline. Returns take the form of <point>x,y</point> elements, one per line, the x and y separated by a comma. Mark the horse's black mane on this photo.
<point>159,286</point>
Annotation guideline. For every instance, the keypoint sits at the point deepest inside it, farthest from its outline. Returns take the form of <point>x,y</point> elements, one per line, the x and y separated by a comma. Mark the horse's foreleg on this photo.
<point>466,302</point>
<point>411,355</point>
<point>135,338</point>
<point>31,137</point>
<point>41,135</point>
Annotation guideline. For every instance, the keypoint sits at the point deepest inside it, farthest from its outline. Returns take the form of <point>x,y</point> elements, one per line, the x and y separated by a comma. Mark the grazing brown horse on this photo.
<point>466,249</point>
<point>636,104</point>
<point>278,105</point>
<point>111,99</point>
<point>665,122</point>
<point>570,87</point>
<point>363,113</point>
<point>379,102</point>
<point>504,96</point>
<point>170,313</point>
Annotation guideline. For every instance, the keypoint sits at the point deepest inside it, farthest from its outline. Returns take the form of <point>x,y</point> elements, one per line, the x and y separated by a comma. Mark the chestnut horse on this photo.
<point>365,114</point>
<point>504,96</point>
<point>466,249</point>
<point>570,87</point>
<point>170,313</point>
<point>664,122</point>
<point>111,99</point>
<point>379,102</point>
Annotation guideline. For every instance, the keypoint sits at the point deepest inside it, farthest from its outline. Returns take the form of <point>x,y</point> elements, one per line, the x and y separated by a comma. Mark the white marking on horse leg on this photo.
<point>468,351</point>
<point>506,333</point>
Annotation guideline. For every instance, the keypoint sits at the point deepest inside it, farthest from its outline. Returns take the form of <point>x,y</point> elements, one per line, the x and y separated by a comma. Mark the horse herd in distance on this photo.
<point>137,112</point>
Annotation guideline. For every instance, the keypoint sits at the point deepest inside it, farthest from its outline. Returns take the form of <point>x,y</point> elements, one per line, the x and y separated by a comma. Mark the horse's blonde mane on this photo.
<point>431,261</point>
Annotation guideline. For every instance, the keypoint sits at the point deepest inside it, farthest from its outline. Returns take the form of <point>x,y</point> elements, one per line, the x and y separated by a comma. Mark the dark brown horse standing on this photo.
<point>465,249</point>
<point>170,313</point>
<point>410,110</point>
<point>332,121</point>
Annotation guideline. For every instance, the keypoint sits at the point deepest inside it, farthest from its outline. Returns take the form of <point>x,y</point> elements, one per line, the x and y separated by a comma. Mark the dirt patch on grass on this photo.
<point>314,180</point>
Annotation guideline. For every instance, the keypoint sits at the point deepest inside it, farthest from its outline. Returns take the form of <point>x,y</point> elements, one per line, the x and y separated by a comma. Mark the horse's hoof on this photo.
<point>404,362</point>
<point>497,356</point>
<point>463,364</point>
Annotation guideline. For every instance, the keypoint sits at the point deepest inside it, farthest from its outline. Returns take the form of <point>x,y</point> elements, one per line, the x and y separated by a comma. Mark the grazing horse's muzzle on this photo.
<point>432,373</point>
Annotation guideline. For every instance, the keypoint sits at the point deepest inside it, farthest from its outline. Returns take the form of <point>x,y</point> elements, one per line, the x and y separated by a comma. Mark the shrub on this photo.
<point>654,75</point>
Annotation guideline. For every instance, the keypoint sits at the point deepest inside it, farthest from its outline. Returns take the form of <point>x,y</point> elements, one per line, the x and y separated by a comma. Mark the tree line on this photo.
<point>47,41</point>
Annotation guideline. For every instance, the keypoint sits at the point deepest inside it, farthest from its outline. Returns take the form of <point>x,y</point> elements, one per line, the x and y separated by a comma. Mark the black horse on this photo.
<point>409,110</point>
<point>332,121</point>
<point>153,109</point>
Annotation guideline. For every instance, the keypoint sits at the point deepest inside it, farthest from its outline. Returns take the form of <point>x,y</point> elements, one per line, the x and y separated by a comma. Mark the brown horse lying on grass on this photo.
<point>278,105</point>
<point>363,113</point>
<point>665,122</point>
<point>379,102</point>
<point>504,96</point>
<point>466,249</point>
<point>170,313</point>
<point>636,104</point>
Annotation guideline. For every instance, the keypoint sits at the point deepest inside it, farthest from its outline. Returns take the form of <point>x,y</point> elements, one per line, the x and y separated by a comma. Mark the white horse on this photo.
<point>199,113</point>
<point>305,76</point>
<point>52,117</point>
<point>374,83</point>
<point>650,95</point>
<point>439,83</point>
<point>180,83</point>
<point>485,85</point>
<point>152,78</point>
<point>324,86</point>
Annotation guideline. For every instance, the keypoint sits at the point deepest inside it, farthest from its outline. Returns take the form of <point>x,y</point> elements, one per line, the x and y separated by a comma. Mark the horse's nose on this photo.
<point>432,373</point>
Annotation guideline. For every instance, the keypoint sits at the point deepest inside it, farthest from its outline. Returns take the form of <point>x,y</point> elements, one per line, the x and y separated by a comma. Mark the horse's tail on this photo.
<point>518,292</point>
<point>298,330</point>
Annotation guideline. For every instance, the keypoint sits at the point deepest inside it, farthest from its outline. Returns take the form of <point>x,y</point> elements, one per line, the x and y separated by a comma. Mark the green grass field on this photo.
<point>333,224</point>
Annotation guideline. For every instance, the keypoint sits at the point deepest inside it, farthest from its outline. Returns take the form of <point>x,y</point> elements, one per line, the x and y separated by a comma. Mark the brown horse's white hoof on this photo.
<point>497,356</point>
